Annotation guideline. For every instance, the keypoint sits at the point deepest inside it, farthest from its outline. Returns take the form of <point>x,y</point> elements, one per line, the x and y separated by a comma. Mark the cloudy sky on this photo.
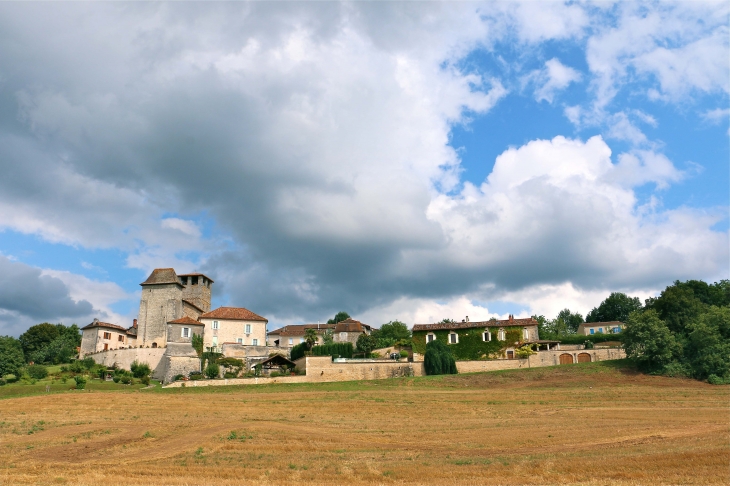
<point>406,160</point>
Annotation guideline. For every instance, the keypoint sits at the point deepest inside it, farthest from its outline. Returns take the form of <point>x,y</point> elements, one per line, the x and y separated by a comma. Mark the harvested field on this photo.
<point>596,423</point>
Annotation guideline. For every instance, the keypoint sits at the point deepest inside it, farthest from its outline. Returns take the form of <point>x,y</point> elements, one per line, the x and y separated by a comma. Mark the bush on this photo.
<point>299,350</point>
<point>140,370</point>
<point>196,375</point>
<point>716,380</point>
<point>145,380</point>
<point>76,367</point>
<point>2,382</point>
<point>80,382</point>
<point>116,378</point>
<point>403,353</point>
<point>126,380</point>
<point>212,370</point>
<point>228,374</point>
<point>88,362</point>
<point>37,371</point>
<point>438,359</point>
<point>274,374</point>
<point>178,377</point>
<point>336,350</point>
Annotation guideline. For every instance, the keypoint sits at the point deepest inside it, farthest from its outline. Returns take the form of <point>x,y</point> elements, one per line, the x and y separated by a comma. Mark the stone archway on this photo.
<point>584,358</point>
<point>566,358</point>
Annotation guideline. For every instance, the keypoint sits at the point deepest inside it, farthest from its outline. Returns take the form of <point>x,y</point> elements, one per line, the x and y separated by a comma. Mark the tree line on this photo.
<point>43,343</point>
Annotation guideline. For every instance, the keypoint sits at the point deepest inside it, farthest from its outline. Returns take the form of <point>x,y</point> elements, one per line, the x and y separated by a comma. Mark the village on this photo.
<point>175,312</point>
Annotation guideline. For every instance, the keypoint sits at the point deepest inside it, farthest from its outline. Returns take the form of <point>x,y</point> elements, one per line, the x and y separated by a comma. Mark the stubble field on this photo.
<point>591,424</point>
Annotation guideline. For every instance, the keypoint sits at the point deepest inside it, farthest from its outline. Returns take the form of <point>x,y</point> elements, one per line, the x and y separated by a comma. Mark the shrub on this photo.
<point>116,378</point>
<point>126,380</point>
<point>438,359</point>
<point>88,362</point>
<point>228,374</point>
<point>140,370</point>
<point>274,374</point>
<point>37,371</point>
<point>178,377</point>
<point>76,367</point>
<point>145,380</point>
<point>403,353</point>
<point>2,382</point>
<point>212,370</point>
<point>80,382</point>
<point>716,380</point>
<point>336,350</point>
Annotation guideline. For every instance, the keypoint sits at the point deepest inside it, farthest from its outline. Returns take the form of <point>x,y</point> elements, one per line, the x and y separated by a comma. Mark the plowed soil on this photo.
<point>593,423</point>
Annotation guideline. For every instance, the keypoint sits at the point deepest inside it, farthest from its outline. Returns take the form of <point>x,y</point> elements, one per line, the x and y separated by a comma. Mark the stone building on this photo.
<point>233,325</point>
<point>102,336</point>
<point>349,330</point>
<point>590,328</point>
<point>289,336</point>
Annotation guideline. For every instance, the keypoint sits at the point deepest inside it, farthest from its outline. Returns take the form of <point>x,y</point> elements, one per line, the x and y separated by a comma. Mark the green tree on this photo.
<point>340,316</point>
<point>310,337</point>
<point>366,343</point>
<point>648,341</point>
<point>446,320</point>
<point>564,324</point>
<point>212,370</point>
<point>678,306</point>
<point>616,307</point>
<point>37,337</point>
<point>60,350</point>
<point>140,370</point>
<point>11,356</point>
<point>438,359</point>
<point>328,337</point>
<point>394,330</point>
<point>708,345</point>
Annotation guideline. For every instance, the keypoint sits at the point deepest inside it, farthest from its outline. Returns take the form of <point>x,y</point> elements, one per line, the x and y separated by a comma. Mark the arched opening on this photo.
<point>154,345</point>
<point>566,358</point>
<point>584,358</point>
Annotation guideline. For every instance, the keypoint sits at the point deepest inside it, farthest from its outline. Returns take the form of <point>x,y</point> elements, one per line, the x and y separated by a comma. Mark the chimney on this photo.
<point>134,323</point>
<point>511,317</point>
<point>467,318</point>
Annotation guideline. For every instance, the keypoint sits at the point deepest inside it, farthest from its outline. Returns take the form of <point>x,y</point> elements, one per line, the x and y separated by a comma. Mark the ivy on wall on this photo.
<point>471,345</point>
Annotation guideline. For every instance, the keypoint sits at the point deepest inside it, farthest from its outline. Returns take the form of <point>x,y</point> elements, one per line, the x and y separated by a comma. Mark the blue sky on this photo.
<point>408,161</point>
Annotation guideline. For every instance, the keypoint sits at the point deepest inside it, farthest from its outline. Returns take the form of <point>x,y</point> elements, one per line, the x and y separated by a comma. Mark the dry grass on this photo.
<point>589,424</point>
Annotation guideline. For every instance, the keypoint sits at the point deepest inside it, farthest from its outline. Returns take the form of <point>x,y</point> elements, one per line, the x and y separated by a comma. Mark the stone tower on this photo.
<point>161,301</point>
<point>196,289</point>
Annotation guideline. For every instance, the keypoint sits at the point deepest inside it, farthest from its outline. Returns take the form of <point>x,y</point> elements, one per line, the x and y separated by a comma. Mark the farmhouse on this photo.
<point>493,339</point>
<point>344,331</point>
<point>590,328</point>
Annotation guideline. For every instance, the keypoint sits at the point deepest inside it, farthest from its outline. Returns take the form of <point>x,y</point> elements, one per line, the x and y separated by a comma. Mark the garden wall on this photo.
<point>123,358</point>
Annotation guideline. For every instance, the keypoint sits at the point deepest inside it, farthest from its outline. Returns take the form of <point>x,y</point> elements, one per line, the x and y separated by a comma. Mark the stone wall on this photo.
<point>198,294</point>
<point>123,358</point>
<point>158,305</point>
<point>322,368</point>
<point>542,358</point>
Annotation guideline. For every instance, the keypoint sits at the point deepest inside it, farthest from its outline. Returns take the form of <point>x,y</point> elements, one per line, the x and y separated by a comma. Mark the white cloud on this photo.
<point>554,77</point>
<point>717,115</point>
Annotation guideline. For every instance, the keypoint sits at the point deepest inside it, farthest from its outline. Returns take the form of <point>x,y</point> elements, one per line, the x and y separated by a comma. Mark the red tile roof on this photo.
<point>469,325</point>
<point>186,320</point>
<point>298,329</point>
<point>233,313</point>
<point>162,276</point>
<point>351,325</point>
<point>104,324</point>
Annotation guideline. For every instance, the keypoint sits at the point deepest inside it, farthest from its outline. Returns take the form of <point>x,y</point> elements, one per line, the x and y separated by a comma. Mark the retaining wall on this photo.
<point>123,358</point>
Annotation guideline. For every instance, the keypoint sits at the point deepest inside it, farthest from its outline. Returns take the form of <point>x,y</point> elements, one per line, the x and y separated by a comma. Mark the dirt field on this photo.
<point>590,424</point>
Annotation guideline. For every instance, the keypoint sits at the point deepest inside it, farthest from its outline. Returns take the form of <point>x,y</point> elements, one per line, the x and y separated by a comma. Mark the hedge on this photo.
<point>336,350</point>
<point>298,351</point>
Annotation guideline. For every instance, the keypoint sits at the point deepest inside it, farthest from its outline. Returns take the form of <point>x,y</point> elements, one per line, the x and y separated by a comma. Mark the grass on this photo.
<point>593,423</point>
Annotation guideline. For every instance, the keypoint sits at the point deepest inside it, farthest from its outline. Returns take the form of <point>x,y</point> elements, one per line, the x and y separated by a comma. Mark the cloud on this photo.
<point>30,296</point>
<point>315,141</point>
<point>552,78</point>
<point>717,115</point>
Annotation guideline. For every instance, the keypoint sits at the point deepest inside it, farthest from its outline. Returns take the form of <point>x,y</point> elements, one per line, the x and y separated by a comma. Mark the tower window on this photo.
<point>195,280</point>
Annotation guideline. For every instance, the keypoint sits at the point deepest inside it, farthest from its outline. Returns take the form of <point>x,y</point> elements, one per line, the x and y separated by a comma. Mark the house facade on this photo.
<point>592,328</point>
<point>103,336</point>
<point>349,330</point>
<point>289,336</point>
<point>233,325</point>
<point>493,339</point>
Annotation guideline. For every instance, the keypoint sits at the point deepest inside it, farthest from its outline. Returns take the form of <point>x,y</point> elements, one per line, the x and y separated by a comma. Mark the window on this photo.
<point>301,340</point>
<point>501,335</point>
<point>107,335</point>
<point>121,338</point>
<point>453,338</point>
<point>525,334</point>
<point>248,328</point>
<point>239,340</point>
<point>616,329</point>
<point>600,329</point>
<point>255,342</point>
<point>215,325</point>
<point>185,332</point>
<point>487,336</point>
<point>430,338</point>
<point>291,341</point>
<point>593,331</point>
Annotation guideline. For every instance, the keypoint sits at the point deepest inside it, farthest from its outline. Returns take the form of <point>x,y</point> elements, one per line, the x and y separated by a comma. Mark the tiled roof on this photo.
<point>233,313</point>
<point>162,276</point>
<point>469,325</point>
<point>298,329</point>
<point>186,320</point>
<point>196,275</point>
<point>104,324</point>
<point>351,325</point>
<point>603,324</point>
<point>132,331</point>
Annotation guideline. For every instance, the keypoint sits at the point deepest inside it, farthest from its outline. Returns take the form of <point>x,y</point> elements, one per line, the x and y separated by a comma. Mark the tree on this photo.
<point>11,356</point>
<point>564,324</point>
<point>677,305</point>
<point>648,340</point>
<point>328,337</point>
<point>37,337</point>
<point>212,370</point>
<point>140,370</point>
<point>708,345</point>
<point>446,320</point>
<point>394,330</point>
<point>60,350</point>
<point>438,359</point>
<point>340,316</point>
<point>310,337</point>
<point>366,343</point>
<point>616,307</point>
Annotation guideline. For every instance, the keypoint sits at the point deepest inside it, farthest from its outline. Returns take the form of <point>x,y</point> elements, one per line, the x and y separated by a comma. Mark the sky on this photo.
<point>396,160</point>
